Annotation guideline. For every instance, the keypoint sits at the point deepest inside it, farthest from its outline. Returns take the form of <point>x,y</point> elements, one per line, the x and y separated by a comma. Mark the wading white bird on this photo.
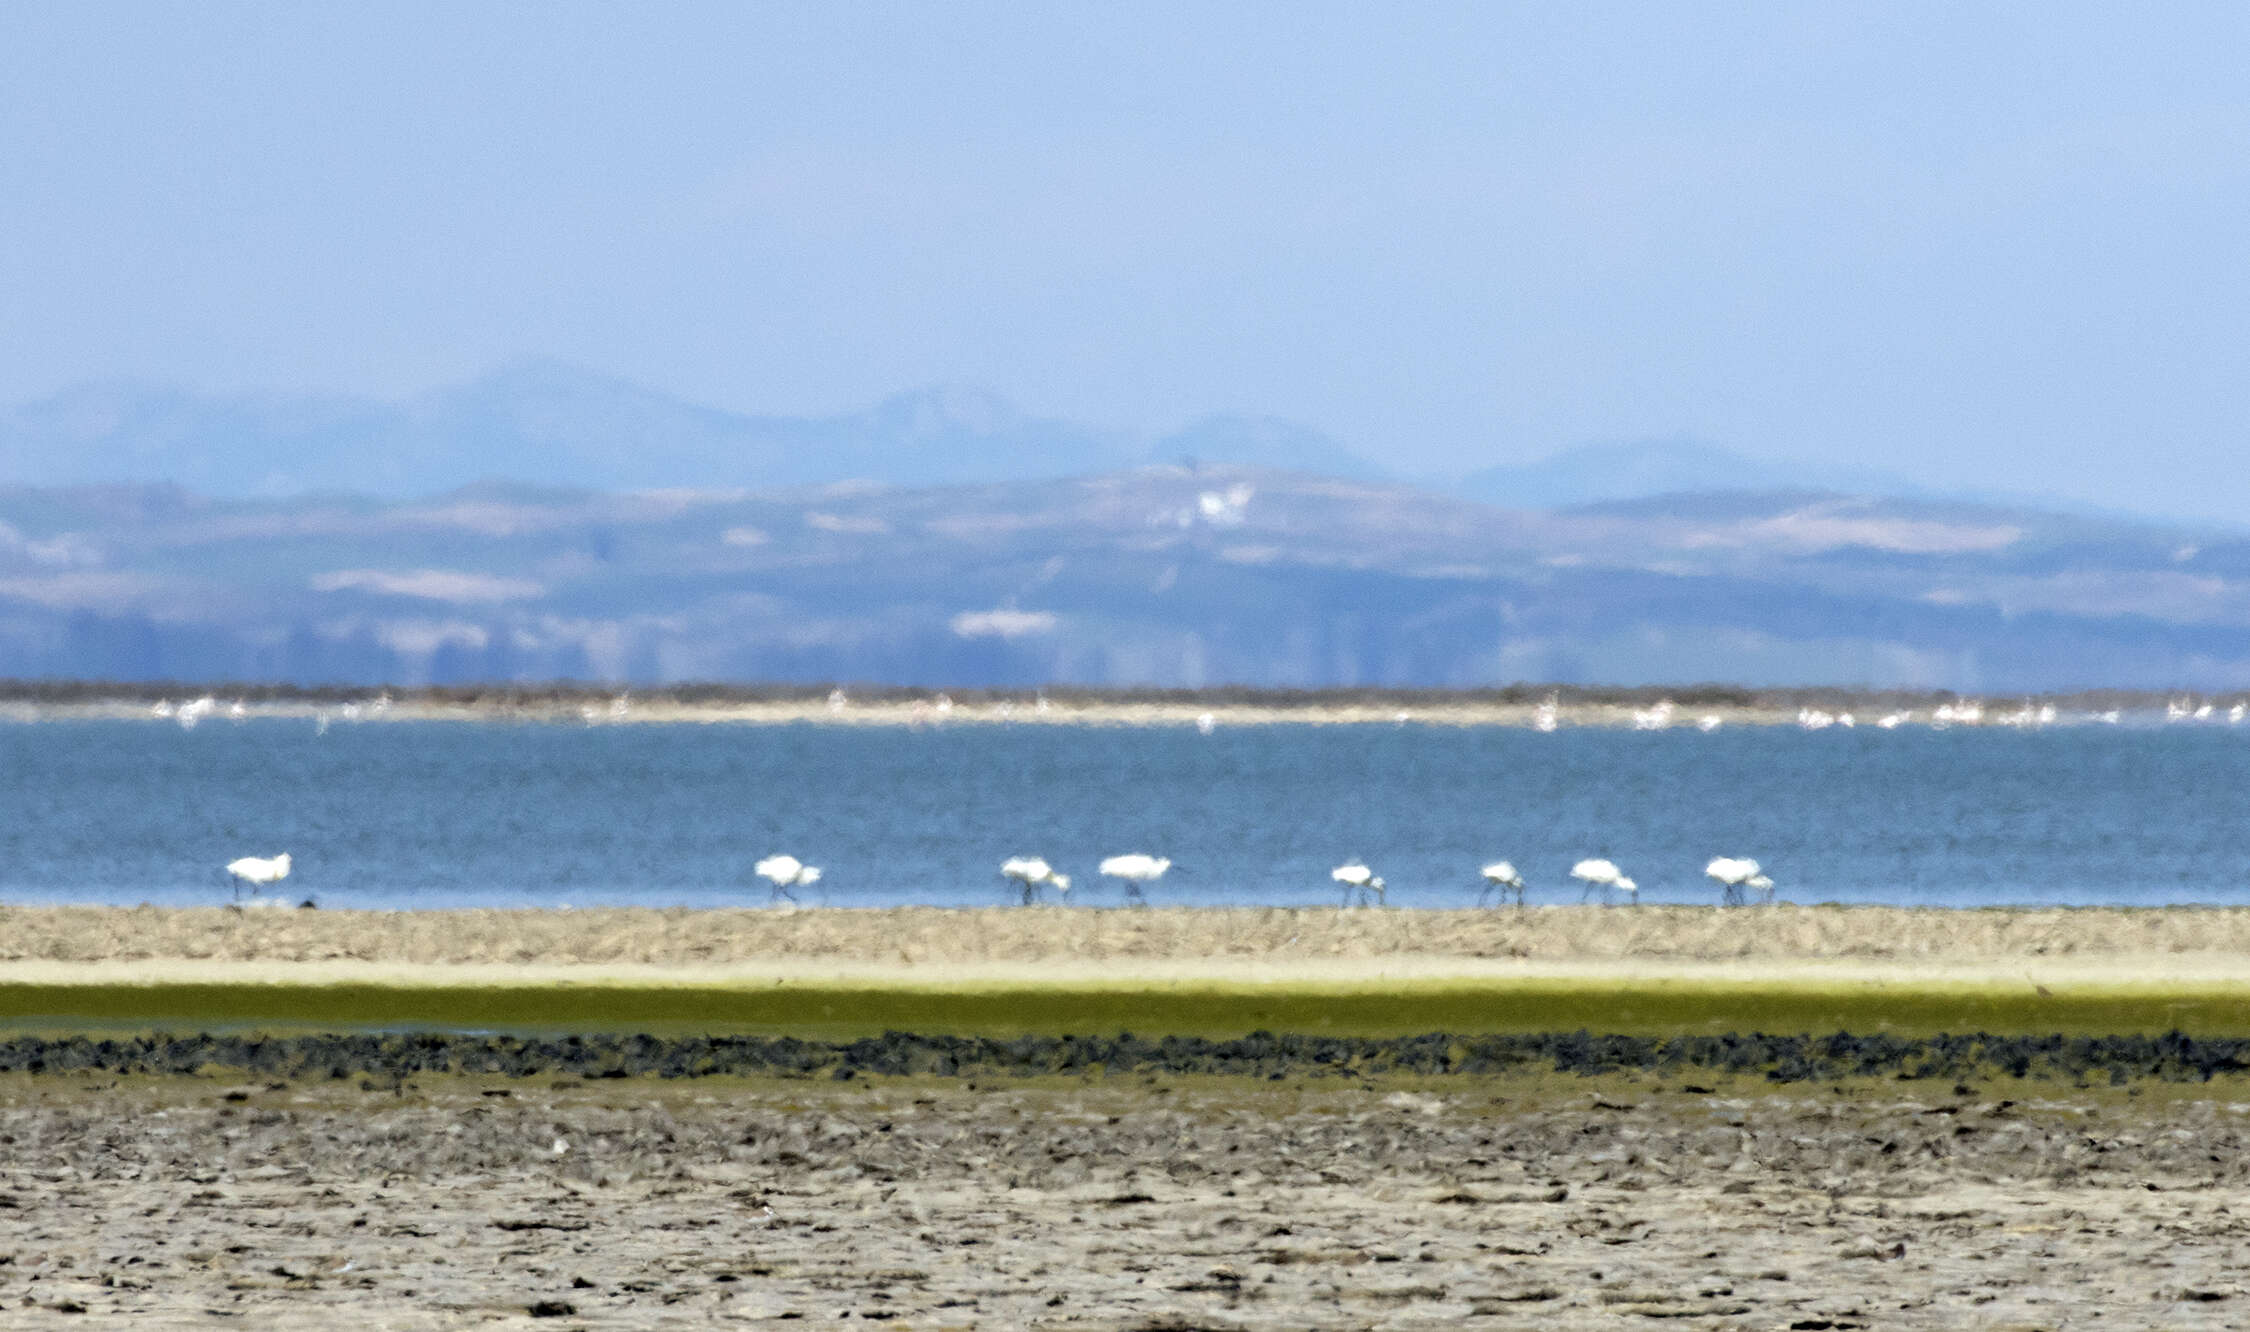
<point>1136,870</point>
<point>1500,876</point>
<point>1355,876</point>
<point>785,873</point>
<point>1605,876</point>
<point>1737,879</point>
<point>1031,874</point>
<point>258,871</point>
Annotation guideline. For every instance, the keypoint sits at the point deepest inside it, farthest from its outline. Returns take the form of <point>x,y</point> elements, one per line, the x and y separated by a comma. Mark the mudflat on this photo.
<point>1108,1203</point>
<point>396,1179</point>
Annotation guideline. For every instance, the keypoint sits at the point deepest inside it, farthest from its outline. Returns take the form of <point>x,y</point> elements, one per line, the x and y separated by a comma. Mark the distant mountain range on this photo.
<point>1148,575</point>
<point>546,423</point>
<point>536,422</point>
<point>1592,473</point>
<point>547,523</point>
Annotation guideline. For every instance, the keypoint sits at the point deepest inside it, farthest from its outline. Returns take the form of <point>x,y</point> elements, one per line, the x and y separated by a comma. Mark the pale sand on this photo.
<point>2171,941</point>
<point>1156,1204</point>
<point>2182,968</point>
<point>2153,974</point>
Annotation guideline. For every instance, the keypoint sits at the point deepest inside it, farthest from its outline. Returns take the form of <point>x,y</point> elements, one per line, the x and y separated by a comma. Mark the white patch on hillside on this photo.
<point>1003,623</point>
<point>449,585</point>
<point>849,524</point>
<point>1824,528</point>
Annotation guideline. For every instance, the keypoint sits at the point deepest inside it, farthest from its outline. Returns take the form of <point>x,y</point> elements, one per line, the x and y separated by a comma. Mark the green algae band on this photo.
<point>1665,1008</point>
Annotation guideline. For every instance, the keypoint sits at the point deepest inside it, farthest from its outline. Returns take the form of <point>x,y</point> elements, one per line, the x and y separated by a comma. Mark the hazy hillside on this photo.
<point>536,421</point>
<point>1159,575</point>
<point>546,423</point>
<point>1591,473</point>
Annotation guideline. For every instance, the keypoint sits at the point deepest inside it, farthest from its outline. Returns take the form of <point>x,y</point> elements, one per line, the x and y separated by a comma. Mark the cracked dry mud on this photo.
<point>1129,1203</point>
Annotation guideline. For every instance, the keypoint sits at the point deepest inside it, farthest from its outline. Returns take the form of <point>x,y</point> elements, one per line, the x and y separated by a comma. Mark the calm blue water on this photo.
<point>450,814</point>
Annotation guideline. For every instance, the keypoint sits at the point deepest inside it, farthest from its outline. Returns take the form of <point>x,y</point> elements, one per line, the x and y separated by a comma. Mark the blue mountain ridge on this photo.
<point>544,422</point>
<point>1149,575</point>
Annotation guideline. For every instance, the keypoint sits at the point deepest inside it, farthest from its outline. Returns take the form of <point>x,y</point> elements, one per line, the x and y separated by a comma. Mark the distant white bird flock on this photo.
<point>1739,879</point>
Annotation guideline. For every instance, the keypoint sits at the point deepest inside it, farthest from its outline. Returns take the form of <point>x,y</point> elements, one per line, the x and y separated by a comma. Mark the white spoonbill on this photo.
<point>1604,875</point>
<point>1355,875</point>
<point>1136,870</point>
<point>258,871</point>
<point>1733,874</point>
<point>1501,876</point>
<point>785,873</point>
<point>1031,873</point>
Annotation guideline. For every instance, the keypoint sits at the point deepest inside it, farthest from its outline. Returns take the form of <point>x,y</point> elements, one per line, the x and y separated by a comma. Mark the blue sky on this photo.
<point>1997,246</point>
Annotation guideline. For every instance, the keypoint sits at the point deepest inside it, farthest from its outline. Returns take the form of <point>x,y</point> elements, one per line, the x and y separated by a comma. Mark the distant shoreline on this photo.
<point>1530,706</point>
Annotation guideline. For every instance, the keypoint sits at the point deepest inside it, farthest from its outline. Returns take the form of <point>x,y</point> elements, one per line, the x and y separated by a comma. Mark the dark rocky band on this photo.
<point>2070,1059</point>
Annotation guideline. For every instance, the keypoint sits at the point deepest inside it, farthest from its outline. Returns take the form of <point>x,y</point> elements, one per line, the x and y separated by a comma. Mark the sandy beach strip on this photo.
<point>839,974</point>
<point>935,708</point>
<point>2176,937</point>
